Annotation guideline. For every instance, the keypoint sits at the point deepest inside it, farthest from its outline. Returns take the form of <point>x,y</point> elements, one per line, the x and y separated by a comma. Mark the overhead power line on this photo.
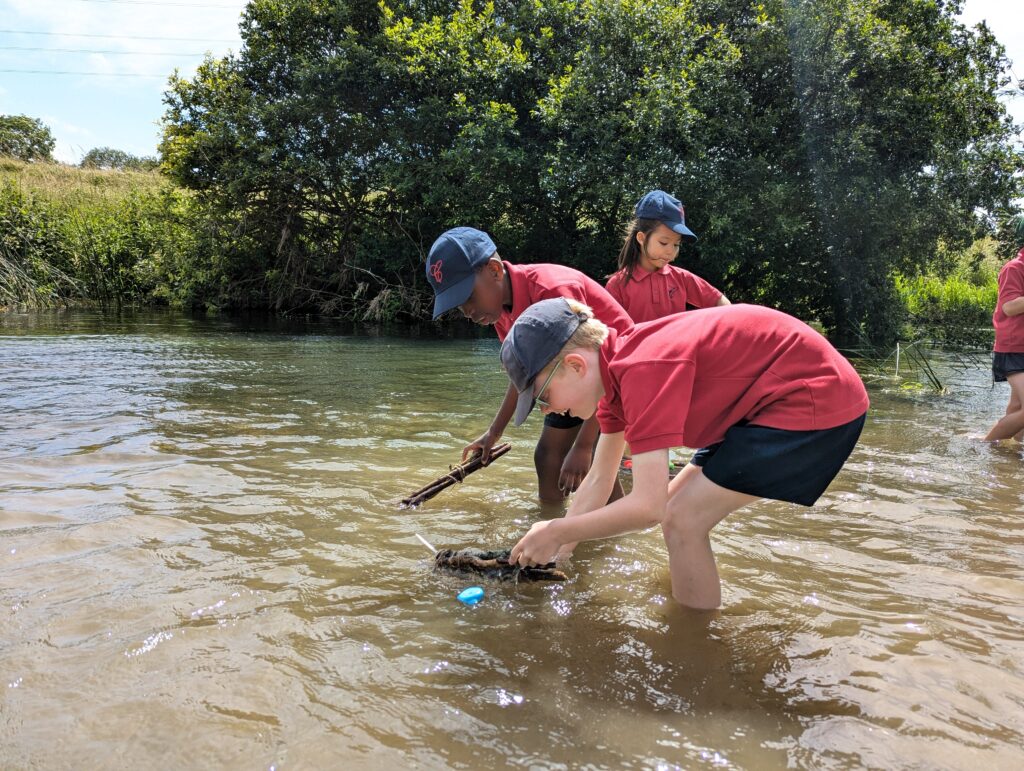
<point>174,5</point>
<point>117,37</point>
<point>96,74</point>
<point>95,51</point>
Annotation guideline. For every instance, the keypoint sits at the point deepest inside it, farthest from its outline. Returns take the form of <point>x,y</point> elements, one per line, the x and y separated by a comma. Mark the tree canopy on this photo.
<point>25,138</point>
<point>112,158</point>
<point>821,146</point>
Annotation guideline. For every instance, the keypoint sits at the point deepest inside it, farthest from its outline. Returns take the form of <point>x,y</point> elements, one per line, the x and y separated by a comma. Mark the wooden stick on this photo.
<point>454,476</point>
<point>458,473</point>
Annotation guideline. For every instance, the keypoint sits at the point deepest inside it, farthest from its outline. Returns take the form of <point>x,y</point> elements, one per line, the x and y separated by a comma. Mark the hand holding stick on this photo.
<point>455,475</point>
<point>494,564</point>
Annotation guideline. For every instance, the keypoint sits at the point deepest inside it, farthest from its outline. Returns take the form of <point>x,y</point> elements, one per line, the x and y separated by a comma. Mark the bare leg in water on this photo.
<point>695,506</point>
<point>1012,424</point>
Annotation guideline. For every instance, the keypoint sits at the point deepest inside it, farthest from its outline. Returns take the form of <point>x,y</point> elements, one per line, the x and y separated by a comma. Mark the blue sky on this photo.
<point>120,105</point>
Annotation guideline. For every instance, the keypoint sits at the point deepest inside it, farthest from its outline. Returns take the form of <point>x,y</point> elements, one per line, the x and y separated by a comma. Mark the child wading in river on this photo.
<point>647,285</point>
<point>1008,355</point>
<point>465,271</point>
<point>774,407</point>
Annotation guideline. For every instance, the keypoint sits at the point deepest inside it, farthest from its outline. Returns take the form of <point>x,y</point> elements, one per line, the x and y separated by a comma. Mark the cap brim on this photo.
<point>454,296</point>
<point>524,405</point>
<point>684,231</point>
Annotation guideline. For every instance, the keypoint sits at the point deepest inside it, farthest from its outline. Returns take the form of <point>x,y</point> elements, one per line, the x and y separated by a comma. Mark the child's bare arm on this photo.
<point>490,437</point>
<point>577,461</point>
<point>599,481</point>
<point>642,508</point>
<point>597,485</point>
<point>1014,307</point>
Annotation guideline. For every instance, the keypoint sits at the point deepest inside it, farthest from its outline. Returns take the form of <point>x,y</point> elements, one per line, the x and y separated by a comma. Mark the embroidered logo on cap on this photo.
<point>682,212</point>
<point>435,271</point>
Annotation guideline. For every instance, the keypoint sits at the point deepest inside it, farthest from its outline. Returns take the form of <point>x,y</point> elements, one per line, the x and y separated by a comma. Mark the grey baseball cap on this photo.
<point>534,340</point>
<point>452,264</point>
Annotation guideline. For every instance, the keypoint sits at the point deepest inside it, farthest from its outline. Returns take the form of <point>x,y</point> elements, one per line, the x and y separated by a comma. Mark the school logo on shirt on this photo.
<point>435,271</point>
<point>672,291</point>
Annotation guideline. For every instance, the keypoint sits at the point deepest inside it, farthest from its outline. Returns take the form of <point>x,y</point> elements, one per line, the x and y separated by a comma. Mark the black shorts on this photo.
<point>1004,364</point>
<point>793,466</point>
<point>560,420</point>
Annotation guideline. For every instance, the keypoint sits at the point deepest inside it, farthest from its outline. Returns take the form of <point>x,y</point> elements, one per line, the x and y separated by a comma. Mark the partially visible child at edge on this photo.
<point>647,285</point>
<point>774,407</point>
<point>1008,351</point>
<point>467,273</point>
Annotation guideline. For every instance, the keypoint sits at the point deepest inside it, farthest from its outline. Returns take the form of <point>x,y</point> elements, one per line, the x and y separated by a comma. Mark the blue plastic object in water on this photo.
<point>471,596</point>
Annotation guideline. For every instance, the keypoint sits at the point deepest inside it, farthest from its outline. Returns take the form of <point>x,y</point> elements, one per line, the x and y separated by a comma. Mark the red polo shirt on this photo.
<point>533,283</point>
<point>650,295</point>
<point>685,379</point>
<point>1010,329</point>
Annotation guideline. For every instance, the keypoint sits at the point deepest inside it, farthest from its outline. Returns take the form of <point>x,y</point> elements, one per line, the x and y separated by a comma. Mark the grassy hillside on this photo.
<point>72,186</point>
<point>70,235</point>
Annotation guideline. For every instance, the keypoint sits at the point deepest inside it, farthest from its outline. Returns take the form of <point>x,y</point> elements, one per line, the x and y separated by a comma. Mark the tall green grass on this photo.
<point>71,235</point>
<point>955,307</point>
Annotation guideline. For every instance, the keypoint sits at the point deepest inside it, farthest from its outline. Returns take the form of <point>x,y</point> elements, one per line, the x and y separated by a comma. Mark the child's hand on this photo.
<point>539,546</point>
<point>574,468</point>
<point>481,445</point>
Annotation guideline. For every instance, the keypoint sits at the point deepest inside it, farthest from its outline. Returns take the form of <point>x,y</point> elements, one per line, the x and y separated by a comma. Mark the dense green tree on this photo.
<point>821,146</point>
<point>111,158</point>
<point>903,138</point>
<point>284,144</point>
<point>25,138</point>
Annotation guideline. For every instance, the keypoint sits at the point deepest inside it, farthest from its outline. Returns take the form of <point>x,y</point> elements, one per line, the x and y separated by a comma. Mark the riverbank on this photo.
<point>71,236</point>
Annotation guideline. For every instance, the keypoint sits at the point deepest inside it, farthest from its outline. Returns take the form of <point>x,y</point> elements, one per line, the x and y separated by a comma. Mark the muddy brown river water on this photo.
<point>202,566</point>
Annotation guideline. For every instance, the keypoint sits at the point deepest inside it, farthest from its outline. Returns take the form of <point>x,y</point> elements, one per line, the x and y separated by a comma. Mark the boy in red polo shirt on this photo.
<point>776,409</point>
<point>1008,355</point>
<point>465,271</point>
<point>647,285</point>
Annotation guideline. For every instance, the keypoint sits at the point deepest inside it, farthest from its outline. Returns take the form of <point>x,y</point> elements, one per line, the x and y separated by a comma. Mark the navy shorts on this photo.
<point>560,420</point>
<point>1004,364</point>
<point>793,466</point>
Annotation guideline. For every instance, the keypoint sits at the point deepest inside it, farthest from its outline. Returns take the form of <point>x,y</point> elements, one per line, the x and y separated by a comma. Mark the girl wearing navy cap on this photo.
<point>776,409</point>
<point>647,285</point>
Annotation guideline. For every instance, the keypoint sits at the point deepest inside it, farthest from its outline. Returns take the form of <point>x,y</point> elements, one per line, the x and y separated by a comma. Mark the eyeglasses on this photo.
<point>540,402</point>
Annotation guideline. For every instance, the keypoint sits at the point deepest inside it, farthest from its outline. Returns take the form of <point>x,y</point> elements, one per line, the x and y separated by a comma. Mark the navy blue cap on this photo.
<point>659,205</point>
<point>452,264</point>
<point>534,340</point>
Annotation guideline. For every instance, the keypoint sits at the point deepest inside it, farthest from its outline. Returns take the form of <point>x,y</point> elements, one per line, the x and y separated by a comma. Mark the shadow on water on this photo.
<point>202,553</point>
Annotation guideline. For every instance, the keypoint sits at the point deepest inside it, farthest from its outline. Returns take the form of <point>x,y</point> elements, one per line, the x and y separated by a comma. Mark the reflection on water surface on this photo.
<point>202,562</point>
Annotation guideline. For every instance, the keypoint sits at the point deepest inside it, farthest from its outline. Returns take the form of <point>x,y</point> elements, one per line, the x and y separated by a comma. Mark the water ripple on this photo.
<point>201,545</point>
